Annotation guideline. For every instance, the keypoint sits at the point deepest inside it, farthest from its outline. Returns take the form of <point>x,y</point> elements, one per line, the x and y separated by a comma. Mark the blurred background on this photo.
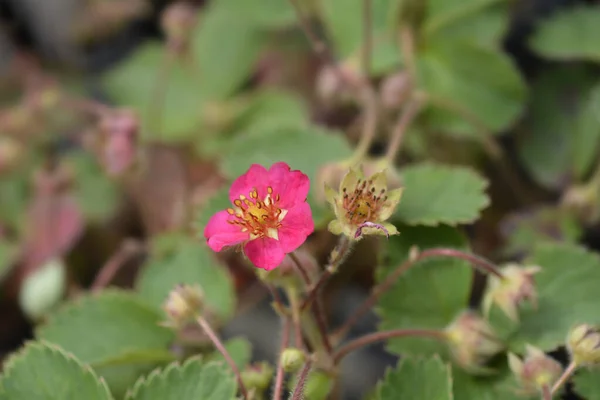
<point>123,120</point>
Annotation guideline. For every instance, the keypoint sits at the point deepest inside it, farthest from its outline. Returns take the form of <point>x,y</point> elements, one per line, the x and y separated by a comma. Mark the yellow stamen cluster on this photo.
<point>362,205</point>
<point>259,217</point>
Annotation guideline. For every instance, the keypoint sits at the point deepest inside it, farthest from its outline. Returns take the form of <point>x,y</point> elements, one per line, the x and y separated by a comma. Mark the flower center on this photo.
<point>363,203</point>
<point>259,217</point>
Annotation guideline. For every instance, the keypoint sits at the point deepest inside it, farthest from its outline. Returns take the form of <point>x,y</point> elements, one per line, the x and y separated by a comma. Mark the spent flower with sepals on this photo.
<point>508,292</point>
<point>362,205</point>
<point>534,372</point>
<point>472,342</point>
<point>269,218</point>
<point>183,303</point>
<point>583,344</point>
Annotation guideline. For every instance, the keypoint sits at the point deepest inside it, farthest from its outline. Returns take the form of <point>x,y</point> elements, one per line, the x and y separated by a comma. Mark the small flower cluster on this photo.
<point>270,216</point>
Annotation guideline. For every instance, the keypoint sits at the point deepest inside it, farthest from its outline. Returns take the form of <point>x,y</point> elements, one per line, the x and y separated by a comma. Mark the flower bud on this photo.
<point>395,89</point>
<point>177,22</point>
<point>509,292</point>
<point>336,84</point>
<point>257,376</point>
<point>292,359</point>
<point>583,201</point>
<point>583,344</point>
<point>183,303</point>
<point>119,132</point>
<point>472,342</point>
<point>535,371</point>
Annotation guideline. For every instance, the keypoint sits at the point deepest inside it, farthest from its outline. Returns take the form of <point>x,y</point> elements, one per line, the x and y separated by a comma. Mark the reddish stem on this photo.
<point>285,337</point>
<point>298,393</point>
<point>385,335</point>
<point>127,250</point>
<point>221,348</point>
<point>384,286</point>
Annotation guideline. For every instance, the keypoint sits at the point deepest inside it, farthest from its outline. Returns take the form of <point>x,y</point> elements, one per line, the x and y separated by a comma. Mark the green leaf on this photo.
<point>498,387</point>
<point>524,230</point>
<point>587,383</point>
<point>192,380</point>
<point>226,46</point>
<point>437,194</point>
<point>344,22</point>
<point>303,147</point>
<point>546,147</point>
<point>113,323</point>
<point>133,84</point>
<point>96,194</point>
<point>263,13</point>
<point>485,27</point>
<point>430,294</point>
<point>190,262</point>
<point>43,371</point>
<point>586,135</point>
<point>568,295</point>
<point>240,350</point>
<point>569,34</point>
<point>442,13</point>
<point>417,378</point>
<point>470,87</point>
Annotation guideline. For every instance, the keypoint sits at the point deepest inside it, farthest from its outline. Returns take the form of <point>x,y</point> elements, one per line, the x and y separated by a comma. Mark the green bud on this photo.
<point>292,359</point>
<point>583,344</point>
<point>257,376</point>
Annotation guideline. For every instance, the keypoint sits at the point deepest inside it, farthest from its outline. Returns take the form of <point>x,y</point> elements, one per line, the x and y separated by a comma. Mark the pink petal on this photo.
<point>295,227</point>
<point>265,253</point>
<point>255,177</point>
<point>291,186</point>
<point>220,233</point>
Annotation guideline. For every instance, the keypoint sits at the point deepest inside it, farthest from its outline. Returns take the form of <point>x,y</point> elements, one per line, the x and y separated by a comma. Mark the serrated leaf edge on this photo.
<point>165,372</point>
<point>32,345</point>
<point>390,370</point>
<point>483,185</point>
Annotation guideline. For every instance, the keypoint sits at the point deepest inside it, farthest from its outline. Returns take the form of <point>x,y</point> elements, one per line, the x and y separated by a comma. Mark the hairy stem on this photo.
<point>285,337</point>
<point>219,346</point>
<point>295,308</point>
<point>384,286</point>
<point>298,393</point>
<point>564,377</point>
<point>385,335</point>
<point>338,255</point>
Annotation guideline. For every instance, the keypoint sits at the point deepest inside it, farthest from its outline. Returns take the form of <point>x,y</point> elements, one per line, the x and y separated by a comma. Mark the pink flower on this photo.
<point>270,215</point>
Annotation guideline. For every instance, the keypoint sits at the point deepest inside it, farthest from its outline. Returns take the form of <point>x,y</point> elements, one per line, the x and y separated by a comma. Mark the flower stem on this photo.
<point>384,286</point>
<point>406,117</point>
<point>285,337</point>
<point>546,393</point>
<point>127,250</point>
<point>338,255</point>
<point>298,393</point>
<point>564,377</point>
<point>219,346</point>
<point>295,308</point>
<point>385,335</point>
<point>300,268</point>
